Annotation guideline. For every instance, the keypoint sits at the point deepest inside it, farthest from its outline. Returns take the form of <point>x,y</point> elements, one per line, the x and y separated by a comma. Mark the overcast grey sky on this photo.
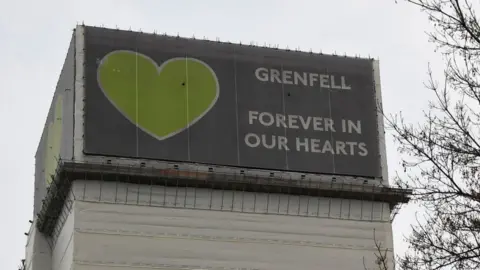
<point>34,36</point>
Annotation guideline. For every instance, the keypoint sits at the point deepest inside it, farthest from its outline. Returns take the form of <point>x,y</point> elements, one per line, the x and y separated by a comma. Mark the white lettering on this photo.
<point>340,147</point>
<point>280,120</point>
<point>315,146</point>
<point>251,116</point>
<point>268,141</point>
<point>269,121</point>
<point>292,121</point>
<point>355,126</point>
<point>309,145</point>
<point>312,79</point>
<point>352,147</point>
<point>248,140</point>
<point>287,77</point>
<point>344,84</point>
<point>327,147</point>
<point>303,79</point>
<point>332,80</point>
<point>302,143</point>
<point>349,126</point>
<point>282,143</point>
<point>317,123</point>
<point>329,125</point>
<point>275,76</point>
<point>265,142</point>
<point>363,149</point>
<point>262,74</point>
<point>324,81</point>
<point>305,123</point>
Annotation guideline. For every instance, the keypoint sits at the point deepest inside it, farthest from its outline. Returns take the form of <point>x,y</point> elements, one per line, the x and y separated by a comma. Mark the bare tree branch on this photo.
<point>381,255</point>
<point>441,155</point>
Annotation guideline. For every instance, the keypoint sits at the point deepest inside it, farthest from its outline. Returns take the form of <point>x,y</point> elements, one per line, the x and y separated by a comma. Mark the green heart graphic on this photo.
<point>54,141</point>
<point>161,101</point>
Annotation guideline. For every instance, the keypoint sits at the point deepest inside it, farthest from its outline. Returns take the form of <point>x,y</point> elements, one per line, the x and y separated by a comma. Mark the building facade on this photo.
<point>163,152</point>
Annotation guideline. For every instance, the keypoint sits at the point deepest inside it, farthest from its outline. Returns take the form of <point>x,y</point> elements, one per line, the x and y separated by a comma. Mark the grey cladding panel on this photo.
<point>57,137</point>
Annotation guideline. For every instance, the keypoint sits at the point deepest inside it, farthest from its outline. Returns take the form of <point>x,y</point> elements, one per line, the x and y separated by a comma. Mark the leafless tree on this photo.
<point>383,256</point>
<point>442,154</point>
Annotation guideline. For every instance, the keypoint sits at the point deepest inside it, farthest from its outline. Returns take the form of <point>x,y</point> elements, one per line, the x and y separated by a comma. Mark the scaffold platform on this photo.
<point>69,171</point>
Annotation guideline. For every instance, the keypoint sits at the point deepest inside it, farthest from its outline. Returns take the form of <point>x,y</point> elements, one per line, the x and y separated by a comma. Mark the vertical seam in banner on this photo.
<point>331,132</point>
<point>236,103</point>
<point>188,112</point>
<point>136,102</point>
<point>284,113</point>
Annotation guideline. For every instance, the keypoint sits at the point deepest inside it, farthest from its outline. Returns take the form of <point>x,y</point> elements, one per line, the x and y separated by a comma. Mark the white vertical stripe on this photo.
<point>188,112</point>
<point>331,132</point>
<point>136,102</point>
<point>284,113</point>
<point>236,103</point>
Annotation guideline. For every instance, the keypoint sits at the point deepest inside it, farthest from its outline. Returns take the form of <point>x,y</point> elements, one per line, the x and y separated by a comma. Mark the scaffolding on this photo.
<point>59,196</point>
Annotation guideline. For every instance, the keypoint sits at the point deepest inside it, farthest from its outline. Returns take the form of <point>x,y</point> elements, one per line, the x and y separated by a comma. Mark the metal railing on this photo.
<point>69,171</point>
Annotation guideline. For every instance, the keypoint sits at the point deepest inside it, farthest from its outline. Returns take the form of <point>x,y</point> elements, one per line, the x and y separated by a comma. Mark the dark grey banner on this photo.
<point>167,98</point>
<point>56,141</point>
